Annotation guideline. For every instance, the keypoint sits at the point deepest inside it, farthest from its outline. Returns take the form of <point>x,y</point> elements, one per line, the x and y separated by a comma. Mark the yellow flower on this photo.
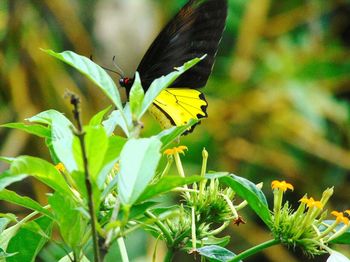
<point>347,212</point>
<point>340,217</point>
<point>310,202</point>
<point>60,167</point>
<point>282,185</point>
<point>174,150</point>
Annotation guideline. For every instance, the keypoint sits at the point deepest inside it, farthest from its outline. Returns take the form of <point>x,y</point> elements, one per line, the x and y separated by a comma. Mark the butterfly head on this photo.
<point>126,82</point>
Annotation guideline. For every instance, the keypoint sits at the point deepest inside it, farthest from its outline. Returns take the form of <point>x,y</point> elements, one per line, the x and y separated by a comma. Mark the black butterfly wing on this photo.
<point>196,30</point>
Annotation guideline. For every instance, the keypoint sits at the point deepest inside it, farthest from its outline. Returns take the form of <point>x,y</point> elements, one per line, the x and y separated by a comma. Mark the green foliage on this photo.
<point>71,221</point>
<point>166,184</point>
<point>251,193</point>
<point>92,71</point>
<point>37,130</point>
<point>169,135</point>
<point>30,239</point>
<point>103,185</point>
<point>6,179</point>
<point>343,239</point>
<point>41,170</point>
<point>138,163</point>
<point>136,97</point>
<point>13,197</point>
<point>216,253</point>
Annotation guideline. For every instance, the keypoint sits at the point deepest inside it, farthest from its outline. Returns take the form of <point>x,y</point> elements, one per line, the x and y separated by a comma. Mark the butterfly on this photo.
<point>196,30</point>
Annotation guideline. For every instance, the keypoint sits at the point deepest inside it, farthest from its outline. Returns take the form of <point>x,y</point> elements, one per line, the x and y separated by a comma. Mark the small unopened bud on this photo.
<point>205,154</point>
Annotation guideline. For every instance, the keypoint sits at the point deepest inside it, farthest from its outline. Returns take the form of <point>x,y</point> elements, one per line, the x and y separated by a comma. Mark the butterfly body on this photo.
<point>196,30</point>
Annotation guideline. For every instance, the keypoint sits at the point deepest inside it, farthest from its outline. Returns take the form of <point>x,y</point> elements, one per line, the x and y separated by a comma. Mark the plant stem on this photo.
<point>74,100</point>
<point>193,229</point>
<point>169,255</point>
<point>75,256</point>
<point>256,249</point>
<point>180,170</point>
<point>154,256</point>
<point>28,217</point>
<point>165,231</point>
<point>122,248</point>
<point>90,200</point>
<point>219,229</point>
<point>167,167</point>
<point>231,206</point>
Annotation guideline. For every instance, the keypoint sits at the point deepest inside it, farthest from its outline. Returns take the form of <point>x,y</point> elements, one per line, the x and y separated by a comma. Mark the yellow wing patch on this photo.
<point>176,106</point>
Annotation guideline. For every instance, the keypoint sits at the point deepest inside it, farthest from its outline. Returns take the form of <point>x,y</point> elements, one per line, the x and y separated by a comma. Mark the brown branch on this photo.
<point>75,101</point>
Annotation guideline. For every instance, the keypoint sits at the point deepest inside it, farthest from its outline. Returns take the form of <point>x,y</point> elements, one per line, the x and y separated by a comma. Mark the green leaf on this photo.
<point>37,130</point>
<point>216,253</point>
<point>10,232</point>
<point>27,243</point>
<point>46,118</point>
<point>208,241</point>
<point>42,170</point>
<point>159,84</point>
<point>92,71</point>
<point>54,157</point>
<point>337,257</point>
<point>4,255</point>
<point>71,222</point>
<point>138,210</point>
<point>166,184</point>
<point>6,179</point>
<point>253,195</point>
<point>63,143</point>
<point>135,212</point>
<point>216,175</point>
<point>98,118</point>
<point>115,146</point>
<point>79,179</point>
<point>35,228</point>
<point>13,197</point>
<point>96,143</point>
<point>111,186</point>
<point>7,234</point>
<point>62,137</point>
<point>4,221</point>
<point>8,160</point>
<point>342,239</point>
<point>219,241</point>
<point>114,120</point>
<point>138,162</point>
<point>136,97</point>
<point>167,136</point>
<point>11,217</point>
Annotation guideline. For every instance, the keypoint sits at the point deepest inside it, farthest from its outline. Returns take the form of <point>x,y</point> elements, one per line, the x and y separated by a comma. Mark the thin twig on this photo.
<point>75,101</point>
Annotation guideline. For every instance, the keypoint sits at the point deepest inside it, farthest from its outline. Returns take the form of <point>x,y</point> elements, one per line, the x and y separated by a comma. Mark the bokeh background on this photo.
<point>278,96</point>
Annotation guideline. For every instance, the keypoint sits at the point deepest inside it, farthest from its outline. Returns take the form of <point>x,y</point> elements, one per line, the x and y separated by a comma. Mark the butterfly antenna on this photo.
<point>107,69</point>
<point>118,68</point>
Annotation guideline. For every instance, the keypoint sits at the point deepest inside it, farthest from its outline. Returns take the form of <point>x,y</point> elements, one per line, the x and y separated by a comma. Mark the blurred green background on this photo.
<point>278,96</point>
